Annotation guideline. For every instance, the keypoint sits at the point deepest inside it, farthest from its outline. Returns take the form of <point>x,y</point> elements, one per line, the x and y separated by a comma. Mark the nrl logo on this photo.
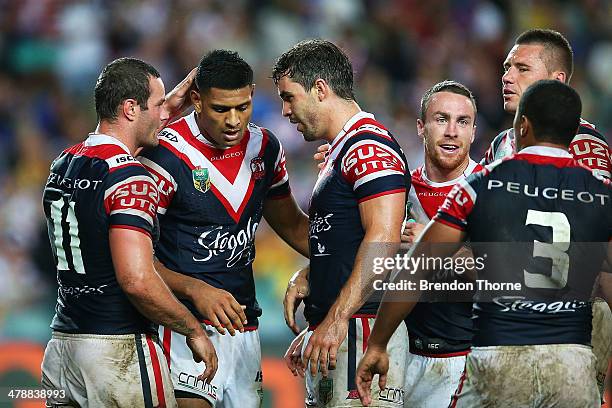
<point>201,179</point>
<point>258,168</point>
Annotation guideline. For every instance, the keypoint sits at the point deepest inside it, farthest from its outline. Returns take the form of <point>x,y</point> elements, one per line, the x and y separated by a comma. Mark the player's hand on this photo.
<point>220,307</point>
<point>374,361</point>
<point>177,100</point>
<point>293,356</point>
<point>203,350</point>
<point>411,232</point>
<point>323,346</point>
<point>297,289</point>
<point>319,156</point>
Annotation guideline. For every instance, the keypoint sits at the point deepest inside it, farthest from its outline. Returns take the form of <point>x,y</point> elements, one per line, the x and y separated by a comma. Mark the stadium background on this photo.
<point>51,52</point>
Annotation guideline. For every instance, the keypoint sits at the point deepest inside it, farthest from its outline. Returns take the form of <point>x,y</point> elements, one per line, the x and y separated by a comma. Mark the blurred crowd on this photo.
<point>51,52</point>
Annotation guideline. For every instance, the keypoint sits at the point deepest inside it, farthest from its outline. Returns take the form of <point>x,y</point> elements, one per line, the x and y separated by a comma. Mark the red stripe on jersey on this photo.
<point>227,161</point>
<point>103,151</point>
<point>159,383</point>
<point>130,227</point>
<point>558,162</point>
<point>365,323</point>
<point>356,125</point>
<point>164,186</point>
<point>458,204</point>
<point>166,343</point>
<point>384,193</point>
<point>177,153</point>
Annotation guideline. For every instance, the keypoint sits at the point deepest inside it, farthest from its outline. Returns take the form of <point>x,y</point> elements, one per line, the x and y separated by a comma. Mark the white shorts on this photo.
<point>238,381</point>
<point>107,371</point>
<point>339,389</point>
<point>431,381</point>
<point>550,375</point>
<point>601,340</point>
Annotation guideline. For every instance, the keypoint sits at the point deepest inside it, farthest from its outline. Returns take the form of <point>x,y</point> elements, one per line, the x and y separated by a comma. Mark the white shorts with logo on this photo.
<point>432,381</point>
<point>107,371</point>
<point>339,389</point>
<point>550,375</point>
<point>238,381</point>
<point>601,339</point>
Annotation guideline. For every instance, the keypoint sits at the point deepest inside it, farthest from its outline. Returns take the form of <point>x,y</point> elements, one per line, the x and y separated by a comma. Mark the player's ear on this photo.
<point>321,89</point>
<point>252,90</point>
<point>196,100</point>
<point>128,107</point>
<point>473,134</point>
<point>420,128</point>
<point>560,76</point>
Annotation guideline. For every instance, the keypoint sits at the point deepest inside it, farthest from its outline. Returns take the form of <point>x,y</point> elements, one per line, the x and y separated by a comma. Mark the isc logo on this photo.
<point>124,158</point>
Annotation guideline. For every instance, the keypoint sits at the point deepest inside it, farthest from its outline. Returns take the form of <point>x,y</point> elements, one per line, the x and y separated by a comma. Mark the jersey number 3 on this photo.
<point>67,248</point>
<point>555,251</point>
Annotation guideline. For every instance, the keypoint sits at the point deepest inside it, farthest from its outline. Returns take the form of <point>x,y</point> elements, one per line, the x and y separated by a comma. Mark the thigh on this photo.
<point>184,371</point>
<point>244,387</point>
<point>115,371</point>
<point>431,382</point>
<point>340,390</point>
<point>601,339</point>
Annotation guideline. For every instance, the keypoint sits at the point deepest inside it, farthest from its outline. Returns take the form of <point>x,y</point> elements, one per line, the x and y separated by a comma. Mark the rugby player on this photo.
<point>100,205</point>
<point>440,332</point>
<point>356,210</point>
<point>529,353</point>
<point>218,174</point>
<point>546,54</point>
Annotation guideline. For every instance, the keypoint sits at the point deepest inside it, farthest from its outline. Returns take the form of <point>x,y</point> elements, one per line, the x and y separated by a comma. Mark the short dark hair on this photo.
<point>554,109</point>
<point>223,69</point>
<point>446,86</point>
<point>310,60</point>
<point>557,52</point>
<point>123,78</point>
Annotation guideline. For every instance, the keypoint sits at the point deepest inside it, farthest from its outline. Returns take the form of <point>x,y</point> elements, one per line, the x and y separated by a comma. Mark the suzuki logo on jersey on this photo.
<point>239,246</point>
<point>140,194</point>
<point>257,167</point>
<point>201,179</point>
<point>369,158</point>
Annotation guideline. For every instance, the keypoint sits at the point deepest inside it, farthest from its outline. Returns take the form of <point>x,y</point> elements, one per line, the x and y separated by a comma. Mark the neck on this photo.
<point>119,132</point>
<point>340,113</point>
<point>440,175</point>
<point>547,144</point>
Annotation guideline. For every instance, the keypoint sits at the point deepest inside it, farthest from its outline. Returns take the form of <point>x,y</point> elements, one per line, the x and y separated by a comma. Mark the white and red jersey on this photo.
<point>427,196</point>
<point>589,147</point>
<point>211,202</point>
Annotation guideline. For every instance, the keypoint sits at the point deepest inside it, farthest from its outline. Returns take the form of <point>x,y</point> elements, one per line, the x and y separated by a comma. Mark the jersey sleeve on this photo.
<point>374,167</point>
<point>459,203</point>
<point>163,165</point>
<point>589,147</point>
<point>131,198</point>
<point>491,152</point>
<point>279,188</point>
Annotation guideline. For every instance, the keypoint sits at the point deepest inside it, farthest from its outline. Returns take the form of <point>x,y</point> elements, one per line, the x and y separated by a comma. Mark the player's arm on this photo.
<point>605,279</point>
<point>289,221</point>
<point>217,305</point>
<point>298,288</point>
<point>177,100</point>
<point>437,240</point>
<point>381,218</point>
<point>132,255</point>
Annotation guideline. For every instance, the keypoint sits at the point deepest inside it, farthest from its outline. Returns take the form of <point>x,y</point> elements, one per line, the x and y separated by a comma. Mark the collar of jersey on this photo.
<point>195,130</point>
<point>97,139</point>
<point>341,136</point>
<point>546,151</point>
<point>468,170</point>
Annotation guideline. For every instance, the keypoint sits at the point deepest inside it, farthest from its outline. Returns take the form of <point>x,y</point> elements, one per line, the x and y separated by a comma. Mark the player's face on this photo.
<point>523,66</point>
<point>300,107</point>
<point>151,119</point>
<point>448,130</point>
<point>225,114</point>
